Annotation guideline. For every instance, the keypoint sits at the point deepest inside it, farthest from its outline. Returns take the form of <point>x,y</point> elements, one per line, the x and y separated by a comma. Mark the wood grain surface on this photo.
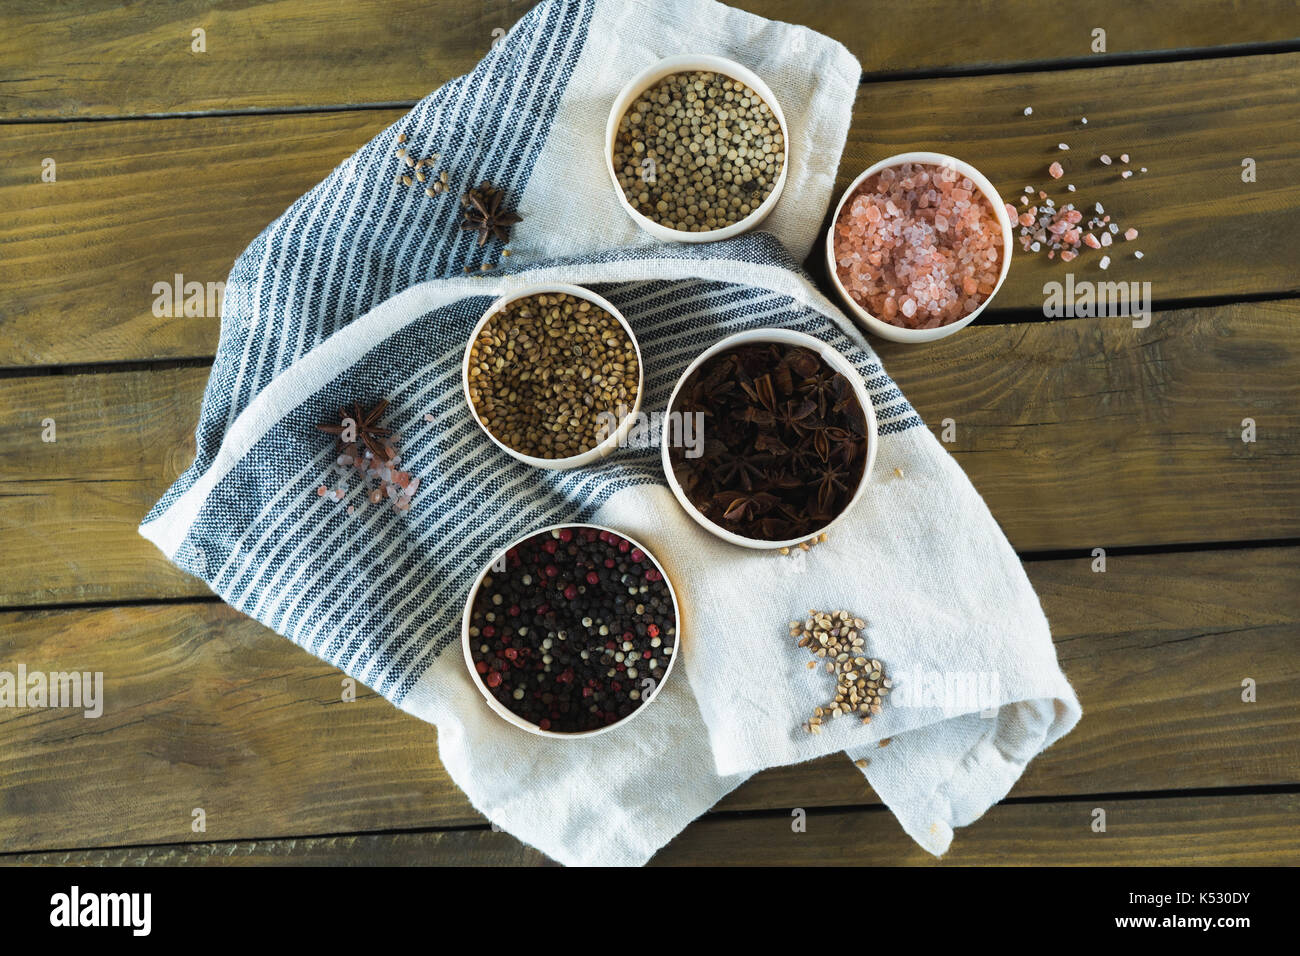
<point>1238,830</point>
<point>206,708</point>
<point>137,202</point>
<point>1044,415</point>
<point>1079,432</point>
<point>103,58</point>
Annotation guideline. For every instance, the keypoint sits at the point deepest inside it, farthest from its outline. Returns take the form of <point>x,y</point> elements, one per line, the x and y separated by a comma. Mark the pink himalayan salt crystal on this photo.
<point>1130,234</point>
<point>1056,170</point>
<point>918,246</point>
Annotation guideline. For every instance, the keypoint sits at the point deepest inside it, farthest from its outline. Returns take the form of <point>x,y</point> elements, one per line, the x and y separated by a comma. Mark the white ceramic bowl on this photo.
<point>836,361</point>
<point>615,439</point>
<point>648,78</point>
<point>896,333</point>
<point>510,715</point>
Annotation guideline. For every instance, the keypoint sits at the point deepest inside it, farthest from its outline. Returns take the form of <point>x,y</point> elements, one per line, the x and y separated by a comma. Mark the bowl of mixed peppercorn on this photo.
<point>698,149</point>
<point>553,376</point>
<point>571,631</point>
<point>788,438</point>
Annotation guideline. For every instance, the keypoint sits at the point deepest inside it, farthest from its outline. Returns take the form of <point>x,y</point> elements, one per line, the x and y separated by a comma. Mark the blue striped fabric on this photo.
<point>379,593</point>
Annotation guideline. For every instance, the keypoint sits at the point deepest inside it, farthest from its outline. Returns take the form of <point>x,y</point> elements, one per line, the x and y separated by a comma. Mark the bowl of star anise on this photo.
<point>782,433</point>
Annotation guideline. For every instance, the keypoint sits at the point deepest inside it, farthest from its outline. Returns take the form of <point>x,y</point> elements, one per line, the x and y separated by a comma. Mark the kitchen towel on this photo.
<point>357,292</point>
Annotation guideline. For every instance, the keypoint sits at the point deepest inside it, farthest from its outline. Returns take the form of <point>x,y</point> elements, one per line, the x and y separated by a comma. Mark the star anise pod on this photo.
<point>368,430</point>
<point>744,468</point>
<point>761,392</point>
<point>483,213</point>
<point>830,481</point>
<point>824,387</point>
<point>795,416</point>
<point>739,506</point>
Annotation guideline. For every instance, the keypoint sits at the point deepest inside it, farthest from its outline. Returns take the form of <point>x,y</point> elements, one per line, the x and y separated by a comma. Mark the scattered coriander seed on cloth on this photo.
<point>548,371</point>
<point>698,151</point>
<point>835,638</point>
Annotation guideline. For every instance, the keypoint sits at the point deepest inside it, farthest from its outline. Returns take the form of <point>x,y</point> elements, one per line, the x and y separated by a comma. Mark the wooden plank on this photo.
<point>136,203</point>
<point>1091,433</point>
<point>205,708</point>
<point>1157,642</point>
<point>1080,434</point>
<point>1231,830</point>
<point>1203,231</point>
<point>101,58</point>
<point>128,209</point>
<point>69,508</point>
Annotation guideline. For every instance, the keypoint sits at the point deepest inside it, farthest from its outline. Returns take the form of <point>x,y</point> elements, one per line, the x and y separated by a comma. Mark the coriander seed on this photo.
<point>548,373</point>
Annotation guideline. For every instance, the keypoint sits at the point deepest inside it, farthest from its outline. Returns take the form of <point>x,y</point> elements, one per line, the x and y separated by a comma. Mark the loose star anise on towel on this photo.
<point>368,430</point>
<point>483,213</point>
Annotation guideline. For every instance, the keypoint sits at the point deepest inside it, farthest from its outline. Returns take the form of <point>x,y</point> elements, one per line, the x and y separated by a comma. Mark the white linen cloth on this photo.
<point>357,289</point>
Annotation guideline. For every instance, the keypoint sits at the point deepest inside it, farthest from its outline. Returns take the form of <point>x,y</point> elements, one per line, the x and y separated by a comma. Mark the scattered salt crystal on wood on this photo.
<point>1084,121</point>
<point>1056,170</point>
<point>1137,254</point>
<point>1104,159</point>
<point>1105,262</point>
<point>1123,157</point>
<point>1126,174</point>
<point>1062,146</point>
<point>1029,111</point>
<point>1130,234</point>
<point>1070,187</point>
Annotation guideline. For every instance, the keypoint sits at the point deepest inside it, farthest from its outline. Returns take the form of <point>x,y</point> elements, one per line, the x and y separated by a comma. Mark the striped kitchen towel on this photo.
<point>357,292</point>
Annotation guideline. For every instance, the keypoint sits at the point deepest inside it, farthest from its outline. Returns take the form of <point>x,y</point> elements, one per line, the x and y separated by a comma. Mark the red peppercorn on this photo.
<point>637,555</point>
<point>551,570</point>
<point>489,631</point>
<point>570,592</point>
<point>550,546</point>
<point>566,535</point>
<point>544,724</point>
<point>610,563</point>
<point>653,630</point>
<point>514,610</point>
<point>593,577</point>
<point>481,667</point>
<point>653,575</point>
<point>494,679</point>
<point>646,655</point>
<point>624,546</point>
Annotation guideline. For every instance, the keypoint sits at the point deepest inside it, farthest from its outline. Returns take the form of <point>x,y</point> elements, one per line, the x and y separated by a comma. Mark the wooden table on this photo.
<point>1080,433</point>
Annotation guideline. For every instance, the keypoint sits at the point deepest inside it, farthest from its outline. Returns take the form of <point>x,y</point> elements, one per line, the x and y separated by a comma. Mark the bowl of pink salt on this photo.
<point>919,245</point>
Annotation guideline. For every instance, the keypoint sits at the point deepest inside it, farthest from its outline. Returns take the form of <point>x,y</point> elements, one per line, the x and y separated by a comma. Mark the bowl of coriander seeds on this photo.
<point>697,147</point>
<point>553,375</point>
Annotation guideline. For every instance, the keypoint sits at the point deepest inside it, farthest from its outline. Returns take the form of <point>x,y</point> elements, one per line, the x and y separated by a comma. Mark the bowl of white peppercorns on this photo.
<point>697,148</point>
<point>552,374</point>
